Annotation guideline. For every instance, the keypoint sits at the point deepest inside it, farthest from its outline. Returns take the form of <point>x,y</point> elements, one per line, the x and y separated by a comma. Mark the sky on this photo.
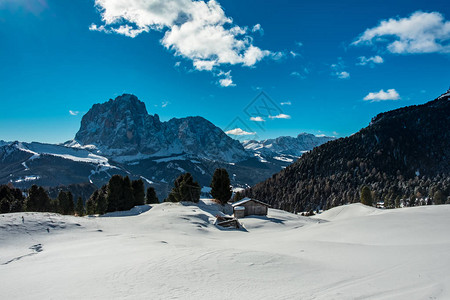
<point>256,69</point>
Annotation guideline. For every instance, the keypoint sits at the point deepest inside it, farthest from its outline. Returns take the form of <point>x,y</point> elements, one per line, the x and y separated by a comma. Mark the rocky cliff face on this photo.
<point>123,127</point>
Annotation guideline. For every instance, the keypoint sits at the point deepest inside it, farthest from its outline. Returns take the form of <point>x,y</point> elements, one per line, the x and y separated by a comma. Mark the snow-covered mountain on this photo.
<point>285,148</point>
<point>120,137</point>
<point>24,164</point>
<point>123,128</point>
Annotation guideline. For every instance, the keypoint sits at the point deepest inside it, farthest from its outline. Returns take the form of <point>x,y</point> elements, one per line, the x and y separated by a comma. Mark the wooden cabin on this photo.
<point>249,206</point>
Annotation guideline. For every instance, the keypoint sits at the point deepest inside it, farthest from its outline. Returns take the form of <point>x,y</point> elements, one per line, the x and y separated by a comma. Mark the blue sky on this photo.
<point>334,65</point>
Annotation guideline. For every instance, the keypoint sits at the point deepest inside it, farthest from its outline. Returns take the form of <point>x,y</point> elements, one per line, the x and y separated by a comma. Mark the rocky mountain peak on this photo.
<point>123,127</point>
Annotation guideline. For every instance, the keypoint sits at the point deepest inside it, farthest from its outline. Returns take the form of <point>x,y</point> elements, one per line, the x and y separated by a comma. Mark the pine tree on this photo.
<point>54,205</point>
<point>171,197</point>
<point>388,201</point>
<point>5,206</point>
<point>91,203</point>
<point>238,196</point>
<point>366,196</point>
<point>127,200</point>
<point>185,189</point>
<point>102,201</point>
<point>65,200</point>
<point>151,196</point>
<point>220,186</point>
<point>79,207</point>
<point>439,197</point>
<point>38,199</point>
<point>138,191</point>
<point>31,201</point>
<point>70,203</point>
<point>114,193</point>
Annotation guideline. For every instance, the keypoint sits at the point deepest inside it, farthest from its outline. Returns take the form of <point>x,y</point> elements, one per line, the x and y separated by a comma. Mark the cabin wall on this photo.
<point>253,208</point>
<point>239,214</point>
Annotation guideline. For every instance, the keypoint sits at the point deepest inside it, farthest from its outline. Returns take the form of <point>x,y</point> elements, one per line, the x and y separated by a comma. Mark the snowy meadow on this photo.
<point>174,250</point>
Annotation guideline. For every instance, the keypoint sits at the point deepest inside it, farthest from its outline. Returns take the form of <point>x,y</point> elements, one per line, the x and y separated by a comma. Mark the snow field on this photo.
<point>171,251</point>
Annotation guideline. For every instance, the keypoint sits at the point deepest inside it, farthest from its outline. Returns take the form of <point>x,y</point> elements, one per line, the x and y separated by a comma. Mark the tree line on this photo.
<point>119,194</point>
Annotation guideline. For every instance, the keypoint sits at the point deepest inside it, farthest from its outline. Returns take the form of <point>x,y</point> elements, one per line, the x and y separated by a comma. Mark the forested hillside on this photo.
<point>403,156</point>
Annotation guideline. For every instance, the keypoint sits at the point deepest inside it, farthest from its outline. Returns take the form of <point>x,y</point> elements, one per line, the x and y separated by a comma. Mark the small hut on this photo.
<point>249,206</point>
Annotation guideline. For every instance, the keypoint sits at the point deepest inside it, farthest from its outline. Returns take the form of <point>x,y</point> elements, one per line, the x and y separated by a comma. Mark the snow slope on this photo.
<point>174,251</point>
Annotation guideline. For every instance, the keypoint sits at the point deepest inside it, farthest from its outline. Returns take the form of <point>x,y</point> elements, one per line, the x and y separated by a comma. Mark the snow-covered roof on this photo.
<point>247,199</point>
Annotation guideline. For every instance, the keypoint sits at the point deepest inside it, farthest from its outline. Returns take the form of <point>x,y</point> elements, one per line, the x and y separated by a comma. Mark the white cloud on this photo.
<point>280,116</point>
<point>196,30</point>
<point>126,30</point>
<point>204,64</point>
<point>177,64</point>
<point>286,103</point>
<point>421,32</point>
<point>338,69</point>
<point>371,60</point>
<point>391,94</point>
<point>238,131</point>
<point>294,54</point>
<point>299,44</point>
<point>257,119</point>
<point>227,81</point>
<point>73,112</point>
<point>258,28</point>
<point>277,55</point>
<point>164,103</point>
<point>300,74</point>
<point>343,75</point>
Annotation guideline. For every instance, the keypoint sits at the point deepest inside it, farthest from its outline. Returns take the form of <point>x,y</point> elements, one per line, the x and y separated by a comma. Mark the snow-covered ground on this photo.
<point>175,251</point>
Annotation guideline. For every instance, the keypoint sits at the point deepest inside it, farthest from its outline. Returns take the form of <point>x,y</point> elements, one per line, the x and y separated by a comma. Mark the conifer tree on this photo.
<point>138,191</point>
<point>79,207</point>
<point>127,199</point>
<point>54,205</point>
<point>388,201</point>
<point>102,201</point>
<point>439,197</point>
<point>5,206</point>
<point>114,193</point>
<point>38,199</point>
<point>151,196</point>
<point>220,186</point>
<point>65,200</point>
<point>70,203</point>
<point>171,197</point>
<point>238,196</point>
<point>366,196</point>
<point>91,203</point>
<point>185,189</point>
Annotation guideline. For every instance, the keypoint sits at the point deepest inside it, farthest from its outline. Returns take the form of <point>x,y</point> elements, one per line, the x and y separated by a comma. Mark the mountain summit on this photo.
<point>123,127</point>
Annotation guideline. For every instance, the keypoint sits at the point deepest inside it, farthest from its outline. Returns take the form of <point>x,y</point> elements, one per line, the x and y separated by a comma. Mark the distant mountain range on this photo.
<point>403,154</point>
<point>120,137</point>
<point>285,148</point>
